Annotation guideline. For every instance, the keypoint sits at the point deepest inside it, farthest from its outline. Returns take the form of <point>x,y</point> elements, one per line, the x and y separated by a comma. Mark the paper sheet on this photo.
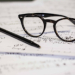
<point>49,44</point>
<point>14,63</point>
<point>30,65</point>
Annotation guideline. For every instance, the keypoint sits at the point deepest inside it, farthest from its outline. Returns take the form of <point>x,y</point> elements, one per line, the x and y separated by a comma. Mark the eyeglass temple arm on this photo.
<point>48,14</point>
<point>41,14</point>
<point>52,21</point>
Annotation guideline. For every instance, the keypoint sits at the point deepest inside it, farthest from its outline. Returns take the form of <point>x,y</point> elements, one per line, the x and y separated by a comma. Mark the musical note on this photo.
<point>48,40</point>
<point>17,57</point>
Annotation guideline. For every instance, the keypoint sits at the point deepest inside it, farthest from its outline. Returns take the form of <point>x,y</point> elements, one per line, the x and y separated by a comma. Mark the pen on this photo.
<point>19,38</point>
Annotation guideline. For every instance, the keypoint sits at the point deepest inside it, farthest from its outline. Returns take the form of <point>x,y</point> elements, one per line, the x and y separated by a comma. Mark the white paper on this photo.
<point>50,44</point>
<point>14,63</point>
<point>17,65</point>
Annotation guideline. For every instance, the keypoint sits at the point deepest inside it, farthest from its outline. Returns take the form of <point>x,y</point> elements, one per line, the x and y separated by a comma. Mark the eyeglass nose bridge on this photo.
<point>49,20</point>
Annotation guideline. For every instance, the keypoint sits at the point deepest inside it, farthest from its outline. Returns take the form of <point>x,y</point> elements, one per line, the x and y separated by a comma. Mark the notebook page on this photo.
<point>49,43</point>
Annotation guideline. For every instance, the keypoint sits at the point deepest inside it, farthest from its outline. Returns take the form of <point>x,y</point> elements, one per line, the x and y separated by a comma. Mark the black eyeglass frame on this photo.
<point>41,15</point>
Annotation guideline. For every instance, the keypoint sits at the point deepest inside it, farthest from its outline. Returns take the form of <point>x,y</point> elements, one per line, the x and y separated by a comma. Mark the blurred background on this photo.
<point>64,7</point>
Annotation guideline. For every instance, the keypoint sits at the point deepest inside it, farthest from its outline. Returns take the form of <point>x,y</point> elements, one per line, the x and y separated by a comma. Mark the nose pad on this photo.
<point>49,30</point>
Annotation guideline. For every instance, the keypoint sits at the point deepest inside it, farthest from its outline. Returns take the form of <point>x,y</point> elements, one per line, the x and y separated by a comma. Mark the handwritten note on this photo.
<point>12,61</point>
<point>49,42</point>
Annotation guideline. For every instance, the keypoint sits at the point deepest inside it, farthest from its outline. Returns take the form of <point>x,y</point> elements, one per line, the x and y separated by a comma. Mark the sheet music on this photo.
<point>31,65</point>
<point>49,42</point>
<point>15,64</point>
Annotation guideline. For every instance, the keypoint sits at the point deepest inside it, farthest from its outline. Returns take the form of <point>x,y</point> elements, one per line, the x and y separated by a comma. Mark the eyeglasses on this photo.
<point>34,25</point>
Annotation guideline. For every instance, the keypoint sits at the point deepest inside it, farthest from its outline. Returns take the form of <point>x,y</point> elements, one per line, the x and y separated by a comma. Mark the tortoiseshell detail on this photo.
<point>41,16</point>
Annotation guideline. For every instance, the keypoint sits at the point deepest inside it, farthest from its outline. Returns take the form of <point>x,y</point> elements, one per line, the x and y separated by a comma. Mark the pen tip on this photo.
<point>39,46</point>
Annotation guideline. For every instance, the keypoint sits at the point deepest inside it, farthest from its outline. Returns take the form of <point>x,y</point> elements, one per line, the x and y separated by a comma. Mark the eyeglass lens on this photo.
<point>33,25</point>
<point>66,29</point>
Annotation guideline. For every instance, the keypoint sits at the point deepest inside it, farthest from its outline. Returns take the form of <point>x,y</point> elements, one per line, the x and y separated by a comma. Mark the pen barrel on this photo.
<point>19,37</point>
